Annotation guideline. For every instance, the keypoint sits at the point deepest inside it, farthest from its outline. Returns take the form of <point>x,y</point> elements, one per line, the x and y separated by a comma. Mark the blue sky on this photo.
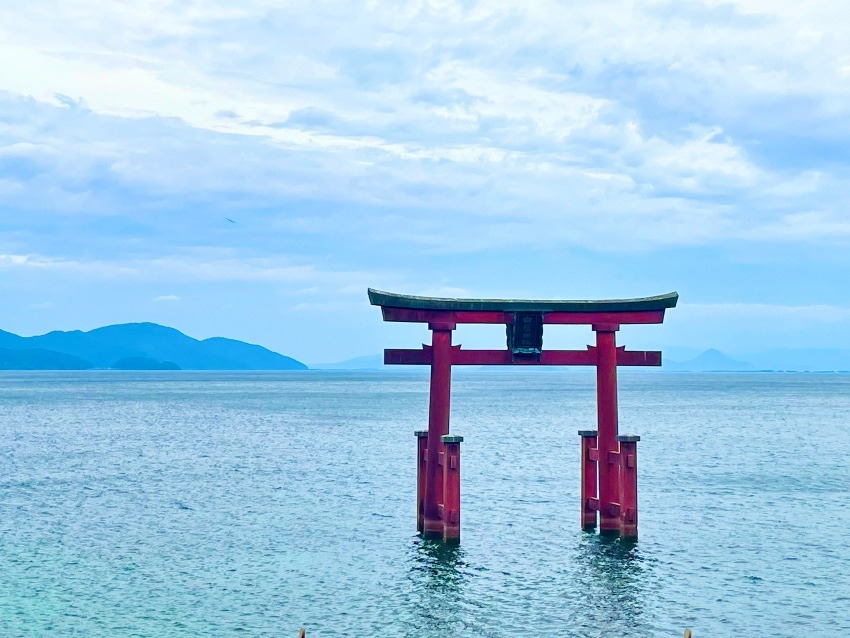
<point>554,150</point>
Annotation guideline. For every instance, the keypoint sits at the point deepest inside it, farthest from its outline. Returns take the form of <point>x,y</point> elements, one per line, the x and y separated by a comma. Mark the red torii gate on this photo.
<point>608,459</point>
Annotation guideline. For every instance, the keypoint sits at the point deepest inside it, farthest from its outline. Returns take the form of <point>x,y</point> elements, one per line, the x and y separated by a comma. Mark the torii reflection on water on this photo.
<point>609,588</point>
<point>438,575</point>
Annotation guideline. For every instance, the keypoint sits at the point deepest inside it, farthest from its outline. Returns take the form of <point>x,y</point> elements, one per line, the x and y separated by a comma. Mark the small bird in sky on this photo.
<point>230,220</point>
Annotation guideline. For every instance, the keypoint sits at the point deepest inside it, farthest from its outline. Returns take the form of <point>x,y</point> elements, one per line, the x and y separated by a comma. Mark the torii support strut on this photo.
<point>609,460</point>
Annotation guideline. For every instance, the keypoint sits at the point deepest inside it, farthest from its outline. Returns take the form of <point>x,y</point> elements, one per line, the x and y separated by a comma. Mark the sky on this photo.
<point>249,169</point>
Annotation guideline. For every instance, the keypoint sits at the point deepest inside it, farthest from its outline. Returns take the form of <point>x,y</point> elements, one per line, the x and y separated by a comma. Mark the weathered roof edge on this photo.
<point>394,300</point>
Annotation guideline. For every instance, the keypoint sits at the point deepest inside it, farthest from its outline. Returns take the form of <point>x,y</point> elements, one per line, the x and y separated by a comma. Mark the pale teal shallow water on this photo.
<point>216,504</point>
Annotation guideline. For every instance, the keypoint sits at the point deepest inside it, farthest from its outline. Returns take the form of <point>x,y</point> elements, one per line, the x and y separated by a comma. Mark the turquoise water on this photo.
<point>218,504</point>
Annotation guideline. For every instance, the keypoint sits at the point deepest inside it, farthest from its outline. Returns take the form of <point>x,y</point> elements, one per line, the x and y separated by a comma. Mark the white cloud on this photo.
<point>606,125</point>
<point>332,306</point>
<point>211,268</point>
<point>750,312</point>
<point>819,226</point>
<point>42,263</point>
<point>167,298</point>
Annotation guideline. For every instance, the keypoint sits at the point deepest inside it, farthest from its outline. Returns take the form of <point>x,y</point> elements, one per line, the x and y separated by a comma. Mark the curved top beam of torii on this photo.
<point>395,307</point>
<point>394,300</point>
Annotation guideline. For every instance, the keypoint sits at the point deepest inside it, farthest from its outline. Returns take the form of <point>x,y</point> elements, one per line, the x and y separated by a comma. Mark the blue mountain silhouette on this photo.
<point>104,347</point>
<point>710,361</point>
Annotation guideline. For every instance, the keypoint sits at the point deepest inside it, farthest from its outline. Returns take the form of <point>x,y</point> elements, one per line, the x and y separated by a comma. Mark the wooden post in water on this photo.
<point>589,498</point>
<point>628,485</point>
<point>450,509</point>
<point>421,451</point>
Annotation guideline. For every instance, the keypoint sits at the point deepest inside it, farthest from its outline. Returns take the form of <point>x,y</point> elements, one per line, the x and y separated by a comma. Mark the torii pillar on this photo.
<point>439,406</point>
<point>606,417</point>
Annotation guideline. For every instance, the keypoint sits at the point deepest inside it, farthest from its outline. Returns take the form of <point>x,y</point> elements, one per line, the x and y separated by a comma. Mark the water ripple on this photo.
<point>213,504</point>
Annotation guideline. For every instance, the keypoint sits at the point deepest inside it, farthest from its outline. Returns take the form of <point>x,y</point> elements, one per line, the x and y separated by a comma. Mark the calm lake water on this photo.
<point>220,504</point>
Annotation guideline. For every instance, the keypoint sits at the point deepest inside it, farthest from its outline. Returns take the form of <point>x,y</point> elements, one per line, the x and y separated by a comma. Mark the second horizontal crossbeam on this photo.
<point>460,357</point>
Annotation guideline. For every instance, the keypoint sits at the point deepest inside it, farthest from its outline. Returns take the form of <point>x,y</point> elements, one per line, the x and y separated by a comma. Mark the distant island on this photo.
<point>135,346</point>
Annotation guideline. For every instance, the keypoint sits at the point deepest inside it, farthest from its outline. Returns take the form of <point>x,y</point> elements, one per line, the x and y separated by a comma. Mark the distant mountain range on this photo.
<point>708,361</point>
<point>135,346</point>
<point>785,359</point>
<point>791,360</point>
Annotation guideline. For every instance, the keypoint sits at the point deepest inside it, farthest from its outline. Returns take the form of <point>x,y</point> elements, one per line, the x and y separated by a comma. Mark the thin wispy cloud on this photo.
<point>189,269</point>
<point>817,313</point>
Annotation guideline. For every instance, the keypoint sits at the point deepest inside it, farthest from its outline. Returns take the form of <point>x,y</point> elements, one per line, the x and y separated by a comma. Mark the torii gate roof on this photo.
<point>393,300</point>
